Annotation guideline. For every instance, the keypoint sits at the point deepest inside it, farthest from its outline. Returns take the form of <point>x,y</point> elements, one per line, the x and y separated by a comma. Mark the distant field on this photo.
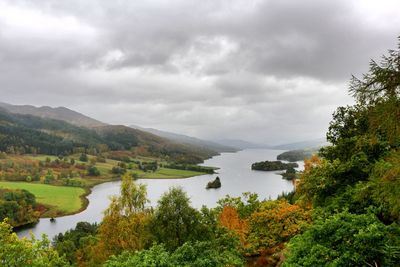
<point>164,173</point>
<point>63,199</point>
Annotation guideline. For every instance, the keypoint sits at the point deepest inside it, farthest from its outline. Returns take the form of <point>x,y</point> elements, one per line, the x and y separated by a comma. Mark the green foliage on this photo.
<point>118,170</point>
<point>83,157</point>
<point>198,254</point>
<point>93,171</point>
<point>156,256</point>
<point>24,252</point>
<point>17,206</point>
<point>289,174</point>
<point>61,199</point>
<point>148,166</point>
<point>68,243</point>
<point>346,239</point>
<point>272,166</point>
<point>245,205</point>
<point>382,82</point>
<point>384,187</point>
<point>175,221</point>
<point>295,155</point>
<point>189,167</point>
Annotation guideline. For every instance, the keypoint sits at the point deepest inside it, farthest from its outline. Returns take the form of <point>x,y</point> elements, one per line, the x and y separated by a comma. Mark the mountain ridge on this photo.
<point>181,138</point>
<point>57,113</point>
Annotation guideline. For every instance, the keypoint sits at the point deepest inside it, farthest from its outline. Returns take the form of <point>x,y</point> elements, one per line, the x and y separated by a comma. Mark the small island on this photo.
<point>297,155</point>
<point>214,184</point>
<point>290,174</point>
<point>272,166</point>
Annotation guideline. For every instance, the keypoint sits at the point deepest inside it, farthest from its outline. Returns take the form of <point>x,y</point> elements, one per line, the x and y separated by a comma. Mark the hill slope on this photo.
<point>184,139</point>
<point>59,113</point>
<point>31,134</point>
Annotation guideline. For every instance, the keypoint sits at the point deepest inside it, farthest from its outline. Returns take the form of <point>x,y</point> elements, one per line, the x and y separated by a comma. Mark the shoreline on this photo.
<point>88,190</point>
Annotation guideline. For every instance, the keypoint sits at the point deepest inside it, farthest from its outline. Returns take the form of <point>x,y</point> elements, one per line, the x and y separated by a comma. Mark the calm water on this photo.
<point>235,174</point>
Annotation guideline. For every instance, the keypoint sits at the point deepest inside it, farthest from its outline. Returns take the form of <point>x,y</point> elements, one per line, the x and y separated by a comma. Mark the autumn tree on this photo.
<point>229,219</point>
<point>125,223</point>
<point>274,224</point>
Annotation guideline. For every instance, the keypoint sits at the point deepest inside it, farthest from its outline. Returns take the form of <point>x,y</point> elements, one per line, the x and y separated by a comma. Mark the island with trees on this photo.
<point>296,155</point>
<point>272,165</point>
<point>214,184</point>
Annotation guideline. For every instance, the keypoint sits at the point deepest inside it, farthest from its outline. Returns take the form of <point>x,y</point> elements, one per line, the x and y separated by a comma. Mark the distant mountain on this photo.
<point>315,143</point>
<point>240,144</point>
<point>184,139</point>
<point>59,113</point>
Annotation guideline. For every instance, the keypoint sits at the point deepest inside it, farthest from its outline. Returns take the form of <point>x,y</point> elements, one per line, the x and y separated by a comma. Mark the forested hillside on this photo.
<point>30,134</point>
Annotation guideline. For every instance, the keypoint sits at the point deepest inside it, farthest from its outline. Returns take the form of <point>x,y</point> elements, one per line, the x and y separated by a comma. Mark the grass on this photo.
<point>60,199</point>
<point>165,173</point>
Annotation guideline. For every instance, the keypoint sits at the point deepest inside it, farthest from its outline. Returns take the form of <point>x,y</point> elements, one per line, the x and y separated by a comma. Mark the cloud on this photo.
<point>261,70</point>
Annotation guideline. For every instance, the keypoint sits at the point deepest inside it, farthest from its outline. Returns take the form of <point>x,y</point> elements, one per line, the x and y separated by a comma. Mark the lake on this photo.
<point>234,171</point>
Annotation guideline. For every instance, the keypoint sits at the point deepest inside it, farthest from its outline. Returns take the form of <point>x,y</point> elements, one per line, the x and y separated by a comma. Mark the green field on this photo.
<point>62,199</point>
<point>164,173</point>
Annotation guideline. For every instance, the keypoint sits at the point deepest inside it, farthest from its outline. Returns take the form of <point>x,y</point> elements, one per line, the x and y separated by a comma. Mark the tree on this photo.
<point>381,82</point>
<point>125,222</point>
<point>346,239</point>
<point>175,221</point>
<point>25,252</point>
<point>93,171</point>
<point>229,218</point>
<point>274,224</point>
<point>17,206</point>
<point>69,242</point>
<point>83,157</point>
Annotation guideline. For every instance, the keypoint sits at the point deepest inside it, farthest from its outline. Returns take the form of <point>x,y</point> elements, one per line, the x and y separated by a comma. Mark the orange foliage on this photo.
<point>275,223</point>
<point>312,162</point>
<point>229,218</point>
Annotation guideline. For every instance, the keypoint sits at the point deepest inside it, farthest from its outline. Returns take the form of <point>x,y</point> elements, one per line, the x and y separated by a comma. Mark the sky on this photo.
<point>259,70</point>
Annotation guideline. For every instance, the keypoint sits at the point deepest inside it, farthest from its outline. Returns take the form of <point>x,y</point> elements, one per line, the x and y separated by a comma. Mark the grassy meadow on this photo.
<point>60,200</point>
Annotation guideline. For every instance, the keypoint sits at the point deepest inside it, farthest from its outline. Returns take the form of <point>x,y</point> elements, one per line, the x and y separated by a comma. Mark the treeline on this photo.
<point>272,166</point>
<point>296,155</point>
<point>18,207</point>
<point>189,167</point>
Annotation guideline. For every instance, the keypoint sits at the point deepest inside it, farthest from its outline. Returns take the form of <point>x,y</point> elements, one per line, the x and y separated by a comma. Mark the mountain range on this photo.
<point>24,126</point>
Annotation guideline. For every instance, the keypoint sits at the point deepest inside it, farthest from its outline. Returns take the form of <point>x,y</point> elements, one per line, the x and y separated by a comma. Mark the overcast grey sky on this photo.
<point>263,71</point>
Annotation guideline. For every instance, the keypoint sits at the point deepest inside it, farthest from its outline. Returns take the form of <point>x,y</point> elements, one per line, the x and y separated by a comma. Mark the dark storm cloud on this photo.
<point>271,71</point>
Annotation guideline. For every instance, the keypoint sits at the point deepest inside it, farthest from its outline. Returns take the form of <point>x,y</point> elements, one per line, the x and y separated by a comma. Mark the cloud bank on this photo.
<point>263,71</point>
